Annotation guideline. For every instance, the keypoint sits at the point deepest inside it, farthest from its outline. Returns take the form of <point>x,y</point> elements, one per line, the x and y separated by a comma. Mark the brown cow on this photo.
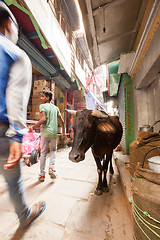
<point>102,133</point>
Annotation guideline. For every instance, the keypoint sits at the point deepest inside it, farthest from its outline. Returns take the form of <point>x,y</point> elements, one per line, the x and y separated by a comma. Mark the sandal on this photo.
<point>37,210</point>
<point>52,173</point>
<point>41,178</point>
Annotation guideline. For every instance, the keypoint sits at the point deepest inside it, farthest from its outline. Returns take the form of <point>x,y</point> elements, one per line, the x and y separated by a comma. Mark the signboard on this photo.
<point>129,120</point>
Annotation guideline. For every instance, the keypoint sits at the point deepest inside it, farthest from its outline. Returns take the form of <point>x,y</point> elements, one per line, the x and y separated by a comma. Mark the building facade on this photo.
<point>60,61</point>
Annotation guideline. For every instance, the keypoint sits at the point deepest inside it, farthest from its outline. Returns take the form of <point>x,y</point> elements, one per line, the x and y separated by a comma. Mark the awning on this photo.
<point>114,78</point>
<point>41,63</point>
<point>34,43</point>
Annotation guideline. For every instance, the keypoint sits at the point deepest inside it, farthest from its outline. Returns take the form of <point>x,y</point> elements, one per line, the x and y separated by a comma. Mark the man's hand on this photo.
<point>30,129</point>
<point>63,135</point>
<point>14,155</point>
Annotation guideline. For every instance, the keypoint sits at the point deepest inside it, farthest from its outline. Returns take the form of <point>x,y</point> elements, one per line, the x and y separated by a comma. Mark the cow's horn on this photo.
<point>72,112</point>
<point>99,114</point>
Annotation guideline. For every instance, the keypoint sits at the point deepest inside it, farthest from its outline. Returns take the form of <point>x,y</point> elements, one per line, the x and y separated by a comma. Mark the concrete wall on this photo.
<point>153,102</point>
<point>150,64</point>
<point>146,87</point>
<point>140,108</point>
<point>147,106</point>
<point>80,72</point>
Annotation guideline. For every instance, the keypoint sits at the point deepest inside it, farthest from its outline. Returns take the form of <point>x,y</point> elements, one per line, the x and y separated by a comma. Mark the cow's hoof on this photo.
<point>105,189</point>
<point>98,192</point>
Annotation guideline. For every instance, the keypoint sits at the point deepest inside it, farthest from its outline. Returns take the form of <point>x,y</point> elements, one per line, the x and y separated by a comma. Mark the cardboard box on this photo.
<point>35,108</point>
<point>41,83</point>
<point>36,100</point>
<point>35,115</point>
<point>38,90</point>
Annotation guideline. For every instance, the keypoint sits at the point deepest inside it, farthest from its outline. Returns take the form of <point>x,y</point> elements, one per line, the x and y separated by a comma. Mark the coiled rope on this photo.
<point>137,216</point>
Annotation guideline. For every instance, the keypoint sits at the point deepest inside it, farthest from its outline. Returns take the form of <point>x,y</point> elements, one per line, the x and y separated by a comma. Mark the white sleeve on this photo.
<point>17,95</point>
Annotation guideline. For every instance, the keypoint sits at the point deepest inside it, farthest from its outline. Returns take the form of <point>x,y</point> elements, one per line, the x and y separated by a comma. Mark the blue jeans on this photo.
<point>13,178</point>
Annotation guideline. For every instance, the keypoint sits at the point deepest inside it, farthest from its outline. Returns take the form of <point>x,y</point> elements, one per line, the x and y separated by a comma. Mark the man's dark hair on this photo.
<point>4,15</point>
<point>48,94</point>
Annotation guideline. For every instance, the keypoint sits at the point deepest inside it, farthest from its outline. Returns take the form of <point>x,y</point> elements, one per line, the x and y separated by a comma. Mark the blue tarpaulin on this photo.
<point>92,100</point>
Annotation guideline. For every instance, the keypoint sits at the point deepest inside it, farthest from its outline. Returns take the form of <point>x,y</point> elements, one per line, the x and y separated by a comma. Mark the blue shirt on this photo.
<point>15,86</point>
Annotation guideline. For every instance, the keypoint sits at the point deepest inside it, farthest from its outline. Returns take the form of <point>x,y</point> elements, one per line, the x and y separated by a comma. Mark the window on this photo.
<point>59,12</point>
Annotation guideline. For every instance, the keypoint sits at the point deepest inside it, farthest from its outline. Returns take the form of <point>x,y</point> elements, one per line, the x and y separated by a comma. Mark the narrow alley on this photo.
<point>73,212</point>
<point>87,73</point>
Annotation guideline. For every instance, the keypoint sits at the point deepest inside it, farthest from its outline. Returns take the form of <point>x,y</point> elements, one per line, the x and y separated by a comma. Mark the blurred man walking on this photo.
<point>15,86</point>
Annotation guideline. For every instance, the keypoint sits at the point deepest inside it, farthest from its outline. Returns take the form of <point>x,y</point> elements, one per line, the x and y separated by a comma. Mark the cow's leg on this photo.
<point>107,159</point>
<point>105,168</point>
<point>99,189</point>
<point>111,167</point>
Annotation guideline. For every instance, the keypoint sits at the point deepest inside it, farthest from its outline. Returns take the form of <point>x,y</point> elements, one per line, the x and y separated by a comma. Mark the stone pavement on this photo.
<point>122,163</point>
<point>73,212</point>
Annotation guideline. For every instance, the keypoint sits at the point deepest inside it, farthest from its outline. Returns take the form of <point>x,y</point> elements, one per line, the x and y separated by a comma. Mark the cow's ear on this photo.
<point>105,127</point>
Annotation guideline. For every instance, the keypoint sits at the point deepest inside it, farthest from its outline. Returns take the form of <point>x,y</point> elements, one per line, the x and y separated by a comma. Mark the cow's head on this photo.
<point>85,128</point>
